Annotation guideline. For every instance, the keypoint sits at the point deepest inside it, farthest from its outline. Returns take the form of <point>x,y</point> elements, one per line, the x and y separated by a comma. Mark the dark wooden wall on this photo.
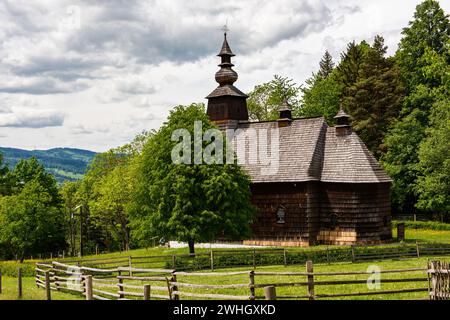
<point>365,208</point>
<point>361,212</point>
<point>267,198</point>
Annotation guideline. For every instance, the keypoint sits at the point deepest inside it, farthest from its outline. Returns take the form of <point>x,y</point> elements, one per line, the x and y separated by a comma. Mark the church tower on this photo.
<point>227,105</point>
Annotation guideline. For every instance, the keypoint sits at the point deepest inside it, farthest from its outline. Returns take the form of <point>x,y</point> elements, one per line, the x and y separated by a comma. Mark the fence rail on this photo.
<point>253,258</point>
<point>123,283</point>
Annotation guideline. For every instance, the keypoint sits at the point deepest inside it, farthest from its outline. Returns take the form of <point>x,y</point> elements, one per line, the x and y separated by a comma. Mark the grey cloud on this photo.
<point>40,86</point>
<point>32,119</point>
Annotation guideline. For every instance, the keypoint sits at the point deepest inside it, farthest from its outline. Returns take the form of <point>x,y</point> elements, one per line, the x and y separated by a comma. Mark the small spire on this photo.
<point>342,123</point>
<point>341,114</point>
<point>285,110</point>
<point>226,75</point>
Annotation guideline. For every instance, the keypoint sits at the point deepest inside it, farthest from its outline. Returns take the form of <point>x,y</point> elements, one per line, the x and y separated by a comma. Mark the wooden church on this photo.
<point>327,189</point>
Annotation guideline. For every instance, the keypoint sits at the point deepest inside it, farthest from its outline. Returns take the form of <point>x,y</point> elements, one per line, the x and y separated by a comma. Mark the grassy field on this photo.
<point>32,292</point>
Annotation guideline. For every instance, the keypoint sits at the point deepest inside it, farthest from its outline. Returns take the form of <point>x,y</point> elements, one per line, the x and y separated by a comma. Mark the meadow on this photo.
<point>31,292</point>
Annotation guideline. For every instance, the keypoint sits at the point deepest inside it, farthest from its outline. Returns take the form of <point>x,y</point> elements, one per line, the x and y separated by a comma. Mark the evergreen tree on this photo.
<point>430,28</point>
<point>326,65</point>
<point>374,100</point>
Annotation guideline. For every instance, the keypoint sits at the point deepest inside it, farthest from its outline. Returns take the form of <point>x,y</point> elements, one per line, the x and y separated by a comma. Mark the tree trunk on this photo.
<point>191,248</point>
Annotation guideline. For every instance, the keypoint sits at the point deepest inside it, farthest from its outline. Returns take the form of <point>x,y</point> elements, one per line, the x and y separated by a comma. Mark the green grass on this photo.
<point>421,235</point>
<point>30,291</point>
<point>9,270</point>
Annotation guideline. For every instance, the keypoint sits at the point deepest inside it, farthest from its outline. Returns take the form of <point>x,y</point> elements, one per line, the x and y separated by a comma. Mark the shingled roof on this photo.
<point>309,150</point>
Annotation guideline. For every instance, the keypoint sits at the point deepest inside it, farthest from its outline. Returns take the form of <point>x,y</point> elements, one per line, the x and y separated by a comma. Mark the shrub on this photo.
<point>430,225</point>
<point>10,268</point>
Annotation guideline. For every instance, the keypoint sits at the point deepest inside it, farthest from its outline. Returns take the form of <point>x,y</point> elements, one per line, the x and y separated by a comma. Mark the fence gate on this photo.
<point>439,280</point>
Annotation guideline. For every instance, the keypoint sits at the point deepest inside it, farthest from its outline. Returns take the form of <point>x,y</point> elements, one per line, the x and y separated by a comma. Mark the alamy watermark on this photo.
<point>253,147</point>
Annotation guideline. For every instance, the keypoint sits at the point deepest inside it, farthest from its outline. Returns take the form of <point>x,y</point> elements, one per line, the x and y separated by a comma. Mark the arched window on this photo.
<point>281,215</point>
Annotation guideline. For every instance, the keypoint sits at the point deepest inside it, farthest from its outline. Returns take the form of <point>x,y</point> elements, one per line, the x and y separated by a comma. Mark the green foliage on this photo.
<point>265,99</point>
<point>321,97</point>
<point>430,29</point>
<point>191,203</point>
<point>31,222</point>
<point>10,268</point>
<point>374,99</point>
<point>423,225</point>
<point>423,57</point>
<point>433,183</point>
<point>326,65</point>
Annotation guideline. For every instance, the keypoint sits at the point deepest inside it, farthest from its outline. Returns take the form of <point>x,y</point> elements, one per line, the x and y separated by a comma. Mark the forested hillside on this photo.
<point>64,163</point>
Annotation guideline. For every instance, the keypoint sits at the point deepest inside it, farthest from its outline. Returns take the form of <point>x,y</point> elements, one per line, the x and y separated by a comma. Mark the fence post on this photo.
<point>146,292</point>
<point>175,287</point>
<point>353,253</point>
<point>270,293</point>
<point>417,249</point>
<point>173,261</point>
<point>284,257</point>
<point>47,286</point>
<point>130,265</point>
<point>19,282</point>
<point>252,285</point>
<point>120,285</point>
<point>310,270</point>
<point>212,260</point>
<point>88,282</point>
<point>0,281</point>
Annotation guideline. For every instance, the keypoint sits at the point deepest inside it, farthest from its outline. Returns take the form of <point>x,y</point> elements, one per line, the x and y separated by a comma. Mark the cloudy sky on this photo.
<point>91,74</point>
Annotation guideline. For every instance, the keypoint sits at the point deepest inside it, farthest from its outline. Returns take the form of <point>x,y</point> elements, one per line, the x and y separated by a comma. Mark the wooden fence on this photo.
<point>124,283</point>
<point>253,258</point>
<point>439,280</point>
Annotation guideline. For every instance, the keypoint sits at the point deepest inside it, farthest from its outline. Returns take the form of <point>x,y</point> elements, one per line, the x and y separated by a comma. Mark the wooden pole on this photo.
<point>252,285</point>
<point>270,293</point>
<point>88,282</point>
<point>19,282</point>
<point>417,249</point>
<point>212,260</point>
<point>120,286</point>
<point>47,286</point>
<point>130,265</point>
<point>284,257</point>
<point>353,253</point>
<point>175,288</point>
<point>146,292</point>
<point>310,270</point>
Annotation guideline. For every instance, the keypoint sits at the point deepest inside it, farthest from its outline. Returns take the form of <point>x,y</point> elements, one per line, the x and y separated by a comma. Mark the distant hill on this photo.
<point>65,163</point>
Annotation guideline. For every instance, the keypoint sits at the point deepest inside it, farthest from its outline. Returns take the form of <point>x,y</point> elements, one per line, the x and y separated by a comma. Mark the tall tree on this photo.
<point>30,222</point>
<point>423,57</point>
<point>375,98</point>
<point>326,65</point>
<point>433,185</point>
<point>430,29</point>
<point>265,99</point>
<point>188,202</point>
<point>321,97</point>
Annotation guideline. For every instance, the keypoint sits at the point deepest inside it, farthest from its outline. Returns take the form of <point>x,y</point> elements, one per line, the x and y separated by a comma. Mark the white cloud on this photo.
<point>31,118</point>
<point>105,70</point>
